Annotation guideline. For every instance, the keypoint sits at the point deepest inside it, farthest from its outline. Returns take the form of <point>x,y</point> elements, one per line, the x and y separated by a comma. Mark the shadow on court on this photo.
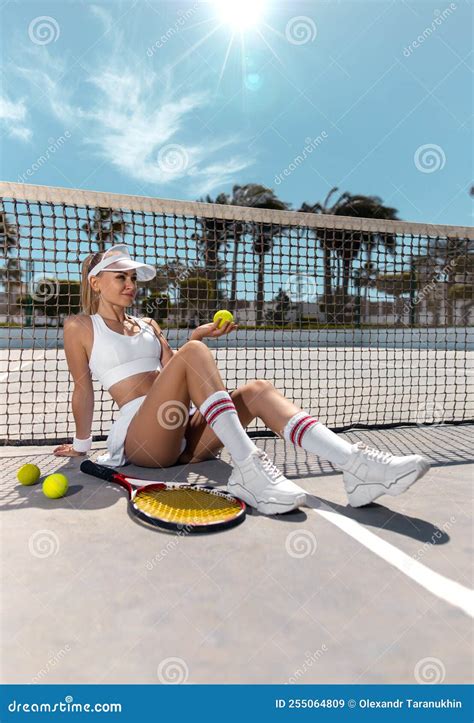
<point>326,594</point>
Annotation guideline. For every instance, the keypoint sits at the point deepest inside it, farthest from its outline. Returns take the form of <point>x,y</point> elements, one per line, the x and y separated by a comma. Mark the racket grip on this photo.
<point>98,470</point>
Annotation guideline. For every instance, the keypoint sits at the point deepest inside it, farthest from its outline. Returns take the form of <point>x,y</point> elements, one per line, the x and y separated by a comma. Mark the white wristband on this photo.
<point>82,445</point>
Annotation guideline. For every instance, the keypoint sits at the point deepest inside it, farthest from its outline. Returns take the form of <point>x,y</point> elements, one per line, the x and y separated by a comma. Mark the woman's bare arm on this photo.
<point>83,393</point>
<point>168,351</point>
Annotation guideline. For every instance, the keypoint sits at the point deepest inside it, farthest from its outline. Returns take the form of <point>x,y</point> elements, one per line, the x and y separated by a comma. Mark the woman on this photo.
<point>156,390</point>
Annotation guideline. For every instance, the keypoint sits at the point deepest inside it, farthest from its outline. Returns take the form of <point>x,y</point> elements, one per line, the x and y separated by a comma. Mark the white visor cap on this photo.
<point>117,258</point>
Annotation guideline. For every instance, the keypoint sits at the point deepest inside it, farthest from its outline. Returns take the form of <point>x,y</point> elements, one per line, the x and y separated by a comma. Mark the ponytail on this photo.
<point>89,298</point>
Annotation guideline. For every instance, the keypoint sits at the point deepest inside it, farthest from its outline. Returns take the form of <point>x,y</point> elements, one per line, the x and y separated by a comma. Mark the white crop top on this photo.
<point>115,356</point>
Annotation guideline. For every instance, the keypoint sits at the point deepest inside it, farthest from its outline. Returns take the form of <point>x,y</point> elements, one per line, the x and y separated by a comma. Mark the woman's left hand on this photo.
<point>212,330</point>
<point>67,450</point>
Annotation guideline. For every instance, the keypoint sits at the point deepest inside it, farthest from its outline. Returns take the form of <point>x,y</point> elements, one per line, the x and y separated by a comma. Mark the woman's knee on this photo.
<point>251,394</point>
<point>193,347</point>
<point>258,387</point>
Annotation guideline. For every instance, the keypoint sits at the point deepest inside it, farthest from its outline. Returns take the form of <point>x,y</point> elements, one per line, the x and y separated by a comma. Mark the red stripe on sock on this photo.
<point>218,412</point>
<point>296,427</point>
<point>305,428</point>
<point>212,406</point>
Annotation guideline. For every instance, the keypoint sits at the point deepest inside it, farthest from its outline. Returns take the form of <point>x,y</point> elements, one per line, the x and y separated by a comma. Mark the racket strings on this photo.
<point>186,506</point>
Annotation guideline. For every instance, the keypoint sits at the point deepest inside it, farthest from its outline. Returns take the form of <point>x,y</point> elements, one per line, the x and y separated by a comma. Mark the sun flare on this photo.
<point>240,15</point>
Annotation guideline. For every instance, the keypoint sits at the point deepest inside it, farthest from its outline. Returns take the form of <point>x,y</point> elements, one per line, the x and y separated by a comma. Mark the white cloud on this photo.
<point>135,120</point>
<point>218,174</point>
<point>101,14</point>
<point>24,134</point>
<point>128,116</point>
<point>12,111</point>
<point>13,116</point>
<point>52,92</point>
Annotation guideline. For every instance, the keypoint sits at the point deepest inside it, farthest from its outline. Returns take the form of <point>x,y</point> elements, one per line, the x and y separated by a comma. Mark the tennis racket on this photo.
<point>190,508</point>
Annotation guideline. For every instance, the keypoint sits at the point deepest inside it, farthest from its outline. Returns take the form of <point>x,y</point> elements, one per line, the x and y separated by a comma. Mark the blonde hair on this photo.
<point>89,298</point>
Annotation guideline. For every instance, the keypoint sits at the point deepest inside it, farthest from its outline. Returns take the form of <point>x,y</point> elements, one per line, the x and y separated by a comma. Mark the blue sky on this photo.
<point>171,99</point>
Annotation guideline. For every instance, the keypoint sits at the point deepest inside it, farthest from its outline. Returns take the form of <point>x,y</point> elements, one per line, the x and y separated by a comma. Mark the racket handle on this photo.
<point>98,470</point>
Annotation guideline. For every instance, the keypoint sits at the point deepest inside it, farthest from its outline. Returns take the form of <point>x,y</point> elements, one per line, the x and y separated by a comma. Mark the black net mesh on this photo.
<point>361,322</point>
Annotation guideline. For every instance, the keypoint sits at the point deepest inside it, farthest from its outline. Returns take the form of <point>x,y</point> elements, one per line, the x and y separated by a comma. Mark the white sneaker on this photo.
<point>370,473</point>
<point>258,482</point>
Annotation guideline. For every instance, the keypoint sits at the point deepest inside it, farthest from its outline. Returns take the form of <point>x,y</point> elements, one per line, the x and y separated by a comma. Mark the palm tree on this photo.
<point>456,257</point>
<point>346,245</point>
<point>10,272</point>
<point>214,235</point>
<point>263,235</point>
<point>218,233</point>
<point>107,226</point>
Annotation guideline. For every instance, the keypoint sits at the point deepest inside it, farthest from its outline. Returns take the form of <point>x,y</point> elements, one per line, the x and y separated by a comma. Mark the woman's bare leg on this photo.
<point>261,399</point>
<point>258,398</point>
<point>155,433</point>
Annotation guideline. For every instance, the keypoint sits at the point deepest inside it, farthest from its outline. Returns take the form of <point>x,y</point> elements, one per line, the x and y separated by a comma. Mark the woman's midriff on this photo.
<point>135,386</point>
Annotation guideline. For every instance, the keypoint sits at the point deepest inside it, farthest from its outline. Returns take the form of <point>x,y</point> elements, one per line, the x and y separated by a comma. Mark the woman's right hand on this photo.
<point>213,330</point>
<point>66,450</point>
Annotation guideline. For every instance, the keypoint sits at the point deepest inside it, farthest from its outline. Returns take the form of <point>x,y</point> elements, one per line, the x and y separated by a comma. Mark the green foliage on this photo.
<point>396,284</point>
<point>196,290</point>
<point>53,298</point>
<point>280,313</point>
<point>462,292</point>
<point>197,296</point>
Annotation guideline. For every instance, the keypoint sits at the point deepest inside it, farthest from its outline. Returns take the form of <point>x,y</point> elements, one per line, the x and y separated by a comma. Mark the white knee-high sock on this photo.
<point>307,432</point>
<point>221,415</point>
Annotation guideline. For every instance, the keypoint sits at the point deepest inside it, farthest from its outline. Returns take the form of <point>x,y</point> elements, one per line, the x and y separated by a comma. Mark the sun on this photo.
<point>240,14</point>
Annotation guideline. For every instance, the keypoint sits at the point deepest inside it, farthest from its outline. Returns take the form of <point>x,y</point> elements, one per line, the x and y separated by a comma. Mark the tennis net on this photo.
<point>362,322</point>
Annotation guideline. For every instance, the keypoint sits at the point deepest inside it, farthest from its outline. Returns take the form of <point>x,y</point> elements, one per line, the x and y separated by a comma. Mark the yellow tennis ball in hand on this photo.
<point>221,316</point>
<point>28,474</point>
<point>55,485</point>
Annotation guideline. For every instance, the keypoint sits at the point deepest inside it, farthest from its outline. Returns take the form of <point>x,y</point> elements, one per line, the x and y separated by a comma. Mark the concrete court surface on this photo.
<point>328,594</point>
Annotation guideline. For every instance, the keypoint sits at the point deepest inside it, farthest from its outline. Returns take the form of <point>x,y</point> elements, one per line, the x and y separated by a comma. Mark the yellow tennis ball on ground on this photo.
<point>221,316</point>
<point>55,485</point>
<point>29,474</point>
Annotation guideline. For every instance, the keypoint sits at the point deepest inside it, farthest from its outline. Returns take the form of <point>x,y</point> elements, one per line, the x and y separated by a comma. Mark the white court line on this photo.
<point>451,592</point>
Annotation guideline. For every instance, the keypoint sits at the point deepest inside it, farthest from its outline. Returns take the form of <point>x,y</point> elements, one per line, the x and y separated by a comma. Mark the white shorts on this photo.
<point>115,455</point>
